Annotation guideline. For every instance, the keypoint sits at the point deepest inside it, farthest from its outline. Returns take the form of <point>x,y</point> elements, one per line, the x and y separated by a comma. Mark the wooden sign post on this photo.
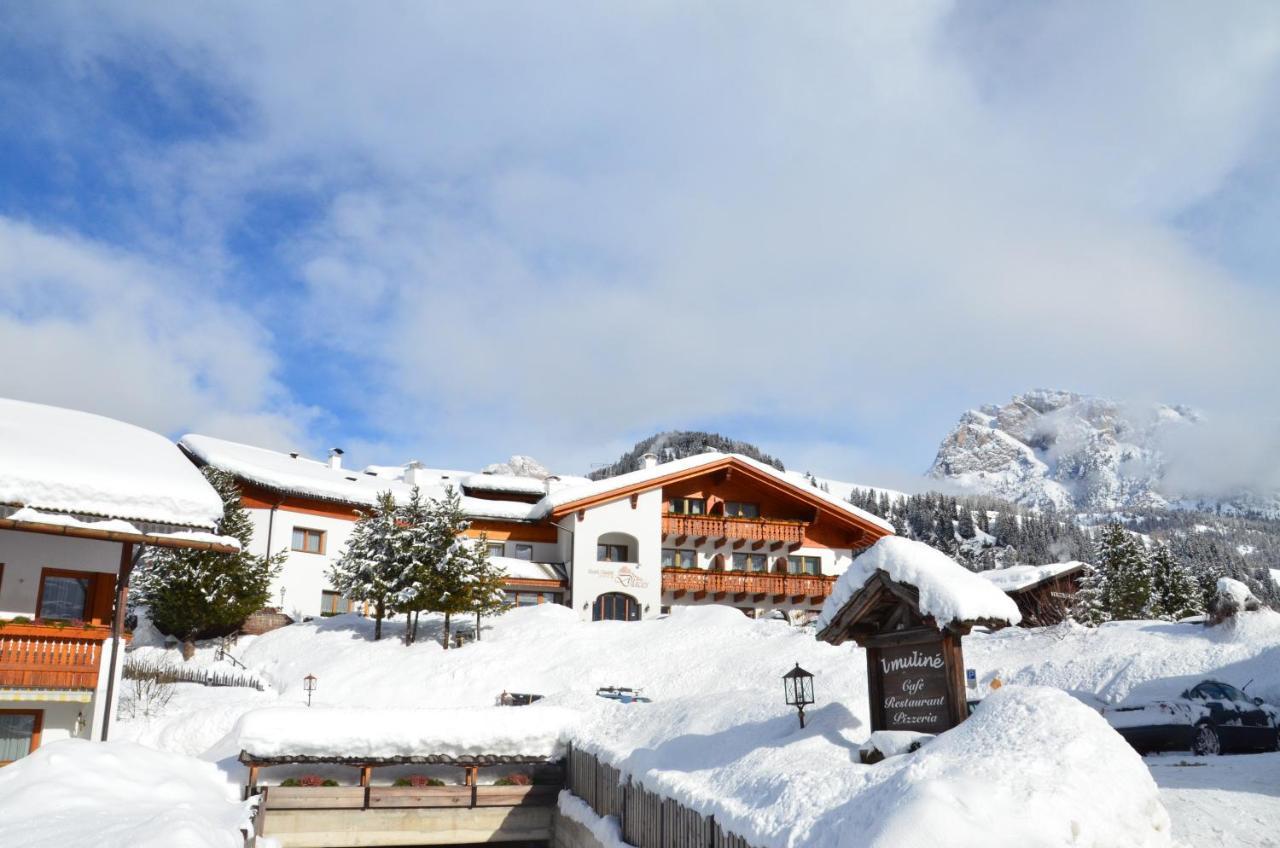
<point>915,669</point>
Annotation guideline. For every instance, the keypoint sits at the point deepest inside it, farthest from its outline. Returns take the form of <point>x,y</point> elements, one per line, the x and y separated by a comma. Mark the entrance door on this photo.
<point>615,606</point>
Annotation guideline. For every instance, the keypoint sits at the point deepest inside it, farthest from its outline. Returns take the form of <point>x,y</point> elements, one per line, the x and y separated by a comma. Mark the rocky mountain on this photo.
<point>677,444</point>
<point>1076,452</point>
<point>519,466</point>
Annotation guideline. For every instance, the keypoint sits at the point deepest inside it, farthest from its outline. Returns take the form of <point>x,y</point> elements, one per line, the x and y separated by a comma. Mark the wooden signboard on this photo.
<point>916,685</point>
<point>915,669</point>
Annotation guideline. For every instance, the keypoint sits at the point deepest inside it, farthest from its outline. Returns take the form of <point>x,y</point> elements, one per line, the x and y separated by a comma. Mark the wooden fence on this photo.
<point>648,820</point>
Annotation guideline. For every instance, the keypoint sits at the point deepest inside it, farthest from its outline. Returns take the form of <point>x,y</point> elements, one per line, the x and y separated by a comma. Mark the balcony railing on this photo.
<point>750,529</point>
<point>41,656</point>
<point>741,585</point>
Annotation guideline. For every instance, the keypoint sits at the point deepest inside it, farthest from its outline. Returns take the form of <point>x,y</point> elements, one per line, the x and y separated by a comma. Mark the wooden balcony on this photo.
<point>740,586</point>
<point>760,532</point>
<point>43,656</point>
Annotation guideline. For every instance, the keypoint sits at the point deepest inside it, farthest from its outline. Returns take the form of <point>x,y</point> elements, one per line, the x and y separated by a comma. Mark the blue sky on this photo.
<point>454,232</point>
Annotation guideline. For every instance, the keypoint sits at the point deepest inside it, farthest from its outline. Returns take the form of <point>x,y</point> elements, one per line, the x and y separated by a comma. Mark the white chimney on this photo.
<point>411,472</point>
<point>550,482</point>
<point>649,460</point>
<point>335,458</point>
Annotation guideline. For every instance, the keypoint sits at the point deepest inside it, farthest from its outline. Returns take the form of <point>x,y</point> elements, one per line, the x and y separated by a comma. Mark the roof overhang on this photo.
<point>784,487</point>
<point>156,540</point>
<point>862,617</point>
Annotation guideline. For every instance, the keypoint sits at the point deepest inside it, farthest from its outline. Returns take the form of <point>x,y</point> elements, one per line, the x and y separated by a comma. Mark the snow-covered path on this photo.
<point>1231,800</point>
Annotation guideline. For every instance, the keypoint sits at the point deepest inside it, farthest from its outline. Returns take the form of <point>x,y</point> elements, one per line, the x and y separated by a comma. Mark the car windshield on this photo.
<point>1208,692</point>
<point>1232,692</point>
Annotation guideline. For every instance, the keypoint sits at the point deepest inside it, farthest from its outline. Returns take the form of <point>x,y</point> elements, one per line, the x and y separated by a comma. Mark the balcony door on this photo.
<point>615,606</point>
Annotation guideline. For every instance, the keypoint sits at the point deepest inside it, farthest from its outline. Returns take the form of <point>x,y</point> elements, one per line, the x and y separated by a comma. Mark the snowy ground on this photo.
<point>719,736</point>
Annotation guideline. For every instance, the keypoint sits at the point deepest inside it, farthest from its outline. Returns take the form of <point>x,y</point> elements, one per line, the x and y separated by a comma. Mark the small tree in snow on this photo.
<point>1128,574</point>
<point>487,584</point>
<point>1091,606</point>
<point>371,567</point>
<point>191,593</point>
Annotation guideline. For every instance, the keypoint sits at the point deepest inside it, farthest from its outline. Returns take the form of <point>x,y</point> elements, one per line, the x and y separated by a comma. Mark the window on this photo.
<point>750,562</point>
<point>524,551</point>
<point>1232,693</point>
<point>804,565</point>
<point>528,599</point>
<point>308,541</point>
<point>676,558</point>
<point>332,603</point>
<point>1209,691</point>
<point>19,733</point>
<point>738,509</point>
<point>689,506</point>
<point>496,549</point>
<point>612,553</point>
<point>64,595</point>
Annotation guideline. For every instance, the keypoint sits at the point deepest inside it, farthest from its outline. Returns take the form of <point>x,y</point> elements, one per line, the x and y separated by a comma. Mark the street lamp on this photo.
<point>798,685</point>
<point>309,685</point>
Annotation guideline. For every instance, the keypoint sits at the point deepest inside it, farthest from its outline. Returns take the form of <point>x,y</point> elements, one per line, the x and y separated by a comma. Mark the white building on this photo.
<point>80,495</point>
<point>713,528</point>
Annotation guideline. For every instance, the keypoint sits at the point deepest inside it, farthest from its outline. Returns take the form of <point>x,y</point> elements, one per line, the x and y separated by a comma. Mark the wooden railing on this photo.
<point>648,820</point>
<point>751,529</point>
<point>753,584</point>
<point>41,656</point>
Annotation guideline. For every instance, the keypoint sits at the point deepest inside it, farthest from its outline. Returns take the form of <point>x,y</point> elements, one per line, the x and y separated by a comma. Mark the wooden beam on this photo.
<point>739,597</point>
<point>366,776</point>
<point>700,541</point>
<point>719,596</point>
<point>721,542</point>
<point>759,597</point>
<point>635,500</point>
<point>776,546</point>
<point>697,596</point>
<point>679,593</point>
<point>779,599</point>
<point>796,599</point>
<point>794,546</point>
<point>739,543</point>
<point>680,540</point>
<point>755,546</point>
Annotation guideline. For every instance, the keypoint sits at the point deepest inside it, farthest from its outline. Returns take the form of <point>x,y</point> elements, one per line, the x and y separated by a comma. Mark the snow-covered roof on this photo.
<point>310,478</point>
<point>67,461</point>
<point>949,592</point>
<point>1015,578</point>
<point>538,730</point>
<point>571,494</point>
<point>523,569</point>
<point>505,483</point>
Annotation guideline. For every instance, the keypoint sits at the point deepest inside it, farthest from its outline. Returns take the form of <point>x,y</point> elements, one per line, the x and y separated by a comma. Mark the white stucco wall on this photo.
<point>641,579</point>
<point>25,554</point>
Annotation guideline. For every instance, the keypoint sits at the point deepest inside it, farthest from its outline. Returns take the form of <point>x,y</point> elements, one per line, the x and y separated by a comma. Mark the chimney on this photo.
<point>411,472</point>
<point>649,460</point>
<point>335,458</point>
<point>550,482</point>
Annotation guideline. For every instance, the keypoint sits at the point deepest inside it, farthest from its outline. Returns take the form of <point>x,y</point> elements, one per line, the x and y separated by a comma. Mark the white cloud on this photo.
<point>90,327</point>
<point>546,225</point>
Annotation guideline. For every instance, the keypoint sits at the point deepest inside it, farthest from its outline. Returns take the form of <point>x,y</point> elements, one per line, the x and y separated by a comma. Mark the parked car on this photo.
<point>1208,718</point>
<point>625,694</point>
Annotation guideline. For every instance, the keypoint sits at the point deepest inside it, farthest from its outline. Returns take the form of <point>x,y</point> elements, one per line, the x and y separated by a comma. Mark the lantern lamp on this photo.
<point>798,686</point>
<point>309,685</point>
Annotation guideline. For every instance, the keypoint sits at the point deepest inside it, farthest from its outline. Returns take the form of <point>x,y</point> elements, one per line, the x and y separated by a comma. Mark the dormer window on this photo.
<point>740,509</point>
<point>688,506</point>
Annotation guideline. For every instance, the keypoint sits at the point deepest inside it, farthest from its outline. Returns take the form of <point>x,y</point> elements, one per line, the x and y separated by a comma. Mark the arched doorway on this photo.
<point>615,606</point>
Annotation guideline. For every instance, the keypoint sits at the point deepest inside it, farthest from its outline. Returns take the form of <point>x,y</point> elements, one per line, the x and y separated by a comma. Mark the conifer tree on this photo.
<point>965,525</point>
<point>1128,574</point>
<point>192,593</point>
<point>1174,591</point>
<point>488,582</point>
<point>371,565</point>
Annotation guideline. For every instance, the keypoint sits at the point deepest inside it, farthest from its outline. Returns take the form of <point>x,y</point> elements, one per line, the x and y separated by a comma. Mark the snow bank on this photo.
<point>117,795</point>
<point>606,830</point>
<point>70,461</point>
<point>948,591</point>
<point>533,731</point>
<point>1031,767</point>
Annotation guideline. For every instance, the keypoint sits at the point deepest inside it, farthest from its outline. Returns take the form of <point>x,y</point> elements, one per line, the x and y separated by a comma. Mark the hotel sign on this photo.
<point>913,688</point>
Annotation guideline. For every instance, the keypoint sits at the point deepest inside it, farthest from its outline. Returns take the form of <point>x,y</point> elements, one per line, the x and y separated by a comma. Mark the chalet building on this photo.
<point>80,497</point>
<point>714,528</point>
<point>1044,593</point>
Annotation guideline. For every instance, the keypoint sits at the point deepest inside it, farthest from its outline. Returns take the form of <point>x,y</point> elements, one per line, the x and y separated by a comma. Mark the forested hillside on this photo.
<point>677,444</point>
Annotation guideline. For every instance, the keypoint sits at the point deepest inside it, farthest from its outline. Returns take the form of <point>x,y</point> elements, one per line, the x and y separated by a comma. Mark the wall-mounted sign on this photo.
<point>625,576</point>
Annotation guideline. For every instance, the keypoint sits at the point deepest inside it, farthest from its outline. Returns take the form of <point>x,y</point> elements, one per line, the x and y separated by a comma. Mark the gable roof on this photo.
<point>569,499</point>
<point>1020,578</point>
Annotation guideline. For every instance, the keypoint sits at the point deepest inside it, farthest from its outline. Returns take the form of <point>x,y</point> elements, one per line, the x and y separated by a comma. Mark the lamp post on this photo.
<point>798,685</point>
<point>309,684</point>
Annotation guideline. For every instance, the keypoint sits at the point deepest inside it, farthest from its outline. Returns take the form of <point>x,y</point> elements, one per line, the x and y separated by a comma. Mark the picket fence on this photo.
<point>648,820</point>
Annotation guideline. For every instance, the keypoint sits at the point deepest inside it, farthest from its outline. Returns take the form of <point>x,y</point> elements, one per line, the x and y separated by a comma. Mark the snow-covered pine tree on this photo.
<point>415,551</point>
<point>1174,591</point>
<point>452,565</point>
<point>1128,573</point>
<point>190,593</point>
<point>370,568</point>
<point>965,526</point>
<point>487,584</point>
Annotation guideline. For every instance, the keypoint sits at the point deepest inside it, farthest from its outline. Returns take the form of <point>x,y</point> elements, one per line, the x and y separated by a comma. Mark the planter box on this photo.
<point>516,796</point>
<point>313,797</point>
<point>420,796</point>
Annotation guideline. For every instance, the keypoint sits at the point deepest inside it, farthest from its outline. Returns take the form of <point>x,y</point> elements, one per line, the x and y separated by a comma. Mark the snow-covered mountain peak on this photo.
<point>1066,449</point>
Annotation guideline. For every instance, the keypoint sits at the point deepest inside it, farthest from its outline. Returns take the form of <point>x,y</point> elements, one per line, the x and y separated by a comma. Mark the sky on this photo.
<point>458,231</point>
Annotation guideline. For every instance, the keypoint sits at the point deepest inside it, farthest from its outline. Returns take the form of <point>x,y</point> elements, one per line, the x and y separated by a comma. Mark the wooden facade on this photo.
<point>48,657</point>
